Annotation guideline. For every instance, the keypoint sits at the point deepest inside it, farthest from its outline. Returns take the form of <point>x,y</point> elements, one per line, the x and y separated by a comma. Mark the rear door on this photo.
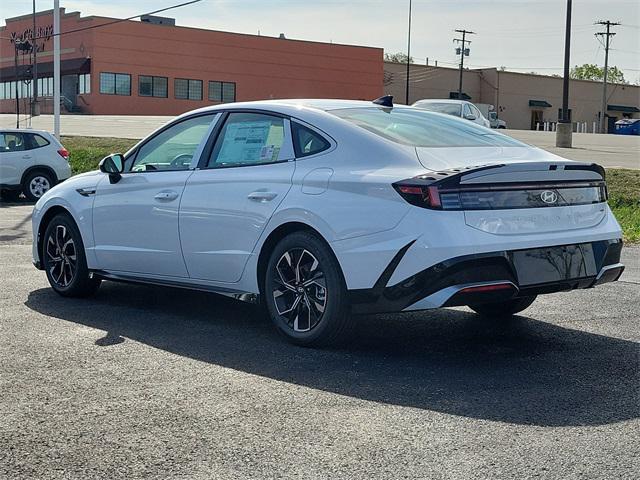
<point>244,175</point>
<point>15,157</point>
<point>135,221</point>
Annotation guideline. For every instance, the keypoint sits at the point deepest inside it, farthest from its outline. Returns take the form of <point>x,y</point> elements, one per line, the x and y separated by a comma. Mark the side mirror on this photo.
<point>470,116</point>
<point>113,165</point>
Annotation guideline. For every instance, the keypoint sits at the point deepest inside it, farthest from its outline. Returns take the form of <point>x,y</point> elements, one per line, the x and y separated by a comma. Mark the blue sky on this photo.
<point>519,34</point>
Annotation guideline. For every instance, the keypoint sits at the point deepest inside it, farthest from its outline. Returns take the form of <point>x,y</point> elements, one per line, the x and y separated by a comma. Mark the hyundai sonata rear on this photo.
<point>322,209</point>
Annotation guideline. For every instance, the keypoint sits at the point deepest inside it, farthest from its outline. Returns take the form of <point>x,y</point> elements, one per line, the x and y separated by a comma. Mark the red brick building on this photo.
<point>153,67</point>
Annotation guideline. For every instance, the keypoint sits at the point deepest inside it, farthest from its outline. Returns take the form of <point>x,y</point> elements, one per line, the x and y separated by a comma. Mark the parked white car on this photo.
<point>31,162</point>
<point>457,108</point>
<point>327,208</point>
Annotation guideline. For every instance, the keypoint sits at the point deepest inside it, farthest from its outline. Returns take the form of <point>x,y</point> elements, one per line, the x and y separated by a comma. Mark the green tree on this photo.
<point>589,71</point>
<point>397,57</point>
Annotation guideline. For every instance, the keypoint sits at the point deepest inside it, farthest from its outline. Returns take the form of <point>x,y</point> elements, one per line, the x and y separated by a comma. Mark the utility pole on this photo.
<point>464,52</point>
<point>35,110</point>
<point>564,129</point>
<point>608,34</point>
<point>408,57</point>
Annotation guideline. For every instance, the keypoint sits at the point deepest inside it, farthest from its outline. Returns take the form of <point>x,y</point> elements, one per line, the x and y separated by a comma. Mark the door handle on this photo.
<point>166,195</point>
<point>26,157</point>
<point>262,196</point>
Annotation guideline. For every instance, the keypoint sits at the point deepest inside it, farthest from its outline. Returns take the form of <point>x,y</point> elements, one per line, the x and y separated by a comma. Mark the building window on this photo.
<point>115,83</point>
<point>222,91</point>
<point>149,86</point>
<point>84,83</point>
<point>187,89</point>
<point>45,87</point>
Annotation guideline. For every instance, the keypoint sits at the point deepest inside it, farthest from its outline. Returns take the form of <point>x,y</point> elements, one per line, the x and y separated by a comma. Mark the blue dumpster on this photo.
<point>628,126</point>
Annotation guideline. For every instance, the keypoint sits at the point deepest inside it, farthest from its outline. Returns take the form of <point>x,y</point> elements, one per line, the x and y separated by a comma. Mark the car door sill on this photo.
<point>248,297</point>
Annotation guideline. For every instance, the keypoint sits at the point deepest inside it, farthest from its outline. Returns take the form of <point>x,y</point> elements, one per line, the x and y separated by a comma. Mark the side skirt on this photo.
<point>227,292</point>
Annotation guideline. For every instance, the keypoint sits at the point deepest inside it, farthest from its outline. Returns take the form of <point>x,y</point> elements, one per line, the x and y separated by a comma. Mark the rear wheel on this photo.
<point>36,184</point>
<point>305,292</point>
<point>503,309</point>
<point>64,260</point>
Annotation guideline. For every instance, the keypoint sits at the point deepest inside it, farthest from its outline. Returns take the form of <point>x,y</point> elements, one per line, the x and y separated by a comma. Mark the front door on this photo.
<point>229,200</point>
<point>135,221</point>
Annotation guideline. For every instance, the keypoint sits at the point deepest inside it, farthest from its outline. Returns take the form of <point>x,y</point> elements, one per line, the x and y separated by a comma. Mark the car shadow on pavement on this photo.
<point>522,372</point>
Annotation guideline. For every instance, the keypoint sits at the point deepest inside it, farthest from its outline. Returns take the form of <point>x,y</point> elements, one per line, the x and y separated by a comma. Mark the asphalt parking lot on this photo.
<point>147,382</point>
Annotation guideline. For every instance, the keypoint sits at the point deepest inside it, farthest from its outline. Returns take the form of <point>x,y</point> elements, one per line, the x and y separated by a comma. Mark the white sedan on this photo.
<point>457,108</point>
<point>321,209</point>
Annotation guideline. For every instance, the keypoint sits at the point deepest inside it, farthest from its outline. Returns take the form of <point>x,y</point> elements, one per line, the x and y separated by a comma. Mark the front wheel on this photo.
<point>305,292</point>
<point>64,260</point>
<point>503,309</point>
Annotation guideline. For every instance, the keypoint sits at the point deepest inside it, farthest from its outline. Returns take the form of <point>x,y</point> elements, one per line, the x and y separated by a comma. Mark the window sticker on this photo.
<point>243,142</point>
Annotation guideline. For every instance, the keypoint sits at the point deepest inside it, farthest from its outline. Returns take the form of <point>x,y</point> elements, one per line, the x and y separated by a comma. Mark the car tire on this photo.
<point>36,184</point>
<point>305,292</point>
<point>64,260</point>
<point>503,309</point>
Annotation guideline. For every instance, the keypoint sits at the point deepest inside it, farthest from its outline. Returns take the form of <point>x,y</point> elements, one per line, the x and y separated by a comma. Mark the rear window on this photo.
<point>410,126</point>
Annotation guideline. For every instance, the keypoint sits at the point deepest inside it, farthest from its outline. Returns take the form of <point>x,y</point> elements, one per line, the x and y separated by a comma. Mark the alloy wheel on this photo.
<point>300,290</point>
<point>39,185</point>
<point>62,256</point>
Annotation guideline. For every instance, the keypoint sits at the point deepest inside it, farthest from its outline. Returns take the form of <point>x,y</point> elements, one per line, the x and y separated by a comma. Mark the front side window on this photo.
<point>115,83</point>
<point>467,110</point>
<point>173,148</point>
<point>306,141</point>
<point>417,128</point>
<point>12,142</point>
<point>248,139</point>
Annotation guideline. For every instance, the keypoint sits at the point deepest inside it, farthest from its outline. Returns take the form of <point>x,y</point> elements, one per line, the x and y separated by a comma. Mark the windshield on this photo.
<point>448,108</point>
<point>409,126</point>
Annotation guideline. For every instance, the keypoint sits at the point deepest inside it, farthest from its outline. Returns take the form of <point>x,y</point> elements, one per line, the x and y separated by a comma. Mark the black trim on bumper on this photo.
<point>477,269</point>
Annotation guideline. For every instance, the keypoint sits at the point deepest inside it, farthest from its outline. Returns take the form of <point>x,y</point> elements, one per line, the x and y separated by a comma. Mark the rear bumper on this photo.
<point>494,276</point>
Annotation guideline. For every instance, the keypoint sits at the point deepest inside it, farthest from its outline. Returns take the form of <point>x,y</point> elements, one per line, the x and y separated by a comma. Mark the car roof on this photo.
<point>24,130</point>
<point>292,105</point>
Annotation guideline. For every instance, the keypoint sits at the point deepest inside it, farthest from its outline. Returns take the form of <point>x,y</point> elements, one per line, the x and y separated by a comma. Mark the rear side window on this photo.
<point>307,142</point>
<point>12,142</point>
<point>37,141</point>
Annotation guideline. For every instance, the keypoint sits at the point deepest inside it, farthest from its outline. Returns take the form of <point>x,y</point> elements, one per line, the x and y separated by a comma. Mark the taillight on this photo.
<point>419,195</point>
<point>500,196</point>
<point>64,153</point>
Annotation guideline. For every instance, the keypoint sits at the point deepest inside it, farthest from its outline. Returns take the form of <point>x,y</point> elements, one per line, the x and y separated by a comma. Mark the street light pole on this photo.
<point>408,57</point>
<point>35,110</point>
<point>564,129</point>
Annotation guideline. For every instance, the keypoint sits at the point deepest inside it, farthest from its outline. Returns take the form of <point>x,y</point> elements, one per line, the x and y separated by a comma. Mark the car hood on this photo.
<point>447,158</point>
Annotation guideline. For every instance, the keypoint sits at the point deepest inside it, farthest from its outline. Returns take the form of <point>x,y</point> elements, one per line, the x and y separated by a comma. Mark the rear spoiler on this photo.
<point>530,173</point>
